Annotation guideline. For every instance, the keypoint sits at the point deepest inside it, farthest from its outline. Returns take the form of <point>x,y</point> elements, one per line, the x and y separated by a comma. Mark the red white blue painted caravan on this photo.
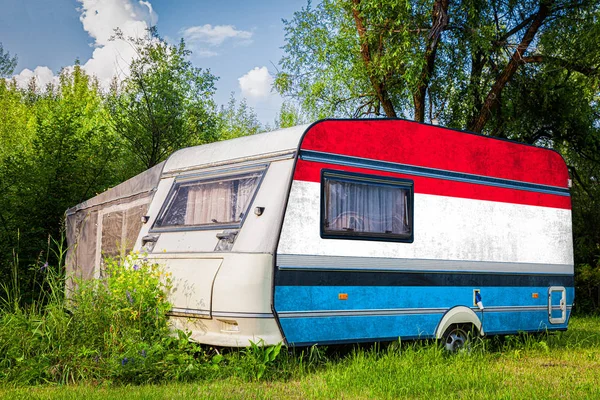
<point>359,230</point>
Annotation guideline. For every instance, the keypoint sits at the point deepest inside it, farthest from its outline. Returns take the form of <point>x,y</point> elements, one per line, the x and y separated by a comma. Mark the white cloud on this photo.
<point>256,83</point>
<point>215,35</point>
<point>99,19</point>
<point>256,86</point>
<point>43,76</point>
<point>205,53</point>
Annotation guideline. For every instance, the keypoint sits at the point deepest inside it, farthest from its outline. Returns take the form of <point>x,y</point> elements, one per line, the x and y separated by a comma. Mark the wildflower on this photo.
<point>136,267</point>
<point>129,297</point>
<point>124,361</point>
<point>44,267</point>
<point>143,353</point>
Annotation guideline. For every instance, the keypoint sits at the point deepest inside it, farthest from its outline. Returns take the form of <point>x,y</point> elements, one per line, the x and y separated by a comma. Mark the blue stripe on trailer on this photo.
<point>315,314</point>
<point>510,322</point>
<point>332,330</point>
<point>322,298</point>
<point>303,331</point>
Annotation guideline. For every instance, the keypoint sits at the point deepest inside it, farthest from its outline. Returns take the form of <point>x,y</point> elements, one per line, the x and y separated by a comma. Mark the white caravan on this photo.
<point>346,231</point>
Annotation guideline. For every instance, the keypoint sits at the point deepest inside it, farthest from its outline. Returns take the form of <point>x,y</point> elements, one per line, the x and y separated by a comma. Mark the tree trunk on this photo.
<point>491,101</point>
<point>439,22</point>
<point>378,86</point>
<point>419,102</point>
<point>477,64</point>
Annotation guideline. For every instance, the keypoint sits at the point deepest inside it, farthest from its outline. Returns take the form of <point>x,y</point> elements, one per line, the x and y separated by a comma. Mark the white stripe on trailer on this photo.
<point>445,228</point>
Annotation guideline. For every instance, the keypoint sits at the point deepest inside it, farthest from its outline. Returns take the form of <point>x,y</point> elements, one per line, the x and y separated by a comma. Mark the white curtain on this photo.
<point>218,202</point>
<point>363,207</point>
<point>208,203</point>
<point>245,190</point>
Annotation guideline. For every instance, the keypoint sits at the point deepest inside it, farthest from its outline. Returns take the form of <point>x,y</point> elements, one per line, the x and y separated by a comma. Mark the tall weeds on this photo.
<point>115,330</point>
<point>111,329</point>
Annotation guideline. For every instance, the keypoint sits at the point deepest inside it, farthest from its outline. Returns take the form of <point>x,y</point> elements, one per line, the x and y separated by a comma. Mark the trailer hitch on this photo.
<point>229,236</point>
<point>148,242</point>
<point>226,239</point>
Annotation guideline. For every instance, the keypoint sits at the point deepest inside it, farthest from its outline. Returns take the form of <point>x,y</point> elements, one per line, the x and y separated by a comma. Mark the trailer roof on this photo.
<point>405,142</point>
<point>392,140</point>
<point>236,149</point>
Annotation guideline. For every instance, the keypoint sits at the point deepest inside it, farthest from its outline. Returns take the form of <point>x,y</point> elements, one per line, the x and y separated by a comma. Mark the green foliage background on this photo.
<point>523,70</point>
<point>422,59</point>
<point>62,144</point>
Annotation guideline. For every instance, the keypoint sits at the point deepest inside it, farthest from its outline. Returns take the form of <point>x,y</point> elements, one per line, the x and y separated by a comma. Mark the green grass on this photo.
<point>114,342</point>
<point>562,365</point>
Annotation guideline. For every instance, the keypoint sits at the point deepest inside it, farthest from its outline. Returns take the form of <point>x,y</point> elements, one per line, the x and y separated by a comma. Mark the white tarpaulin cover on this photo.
<point>108,225</point>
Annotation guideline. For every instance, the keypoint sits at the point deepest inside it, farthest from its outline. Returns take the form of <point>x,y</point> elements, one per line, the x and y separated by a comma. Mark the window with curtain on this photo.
<point>357,206</point>
<point>214,202</point>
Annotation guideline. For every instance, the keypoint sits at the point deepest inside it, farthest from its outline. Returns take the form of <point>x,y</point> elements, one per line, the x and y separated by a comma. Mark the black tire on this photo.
<point>458,337</point>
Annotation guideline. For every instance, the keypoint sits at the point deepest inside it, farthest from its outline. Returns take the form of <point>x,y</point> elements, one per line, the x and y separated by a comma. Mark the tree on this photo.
<point>236,120</point>
<point>74,144</point>
<point>427,58</point>
<point>17,130</point>
<point>60,151</point>
<point>7,63</point>
<point>290,115</point>
<point>586,220</point>
<point>164,104</point>
<point>526,71</point>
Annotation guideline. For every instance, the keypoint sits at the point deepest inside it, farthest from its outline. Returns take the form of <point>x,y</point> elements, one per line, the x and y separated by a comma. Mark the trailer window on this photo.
<point>357,206</point>
<point>210,203</point>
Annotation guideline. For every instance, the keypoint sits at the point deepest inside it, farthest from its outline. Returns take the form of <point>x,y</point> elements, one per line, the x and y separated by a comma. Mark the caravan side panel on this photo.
<point>488,215</point>
<point>221,290</point>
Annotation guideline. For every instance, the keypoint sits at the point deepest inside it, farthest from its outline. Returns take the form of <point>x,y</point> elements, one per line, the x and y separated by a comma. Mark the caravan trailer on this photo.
<point>346,231</point>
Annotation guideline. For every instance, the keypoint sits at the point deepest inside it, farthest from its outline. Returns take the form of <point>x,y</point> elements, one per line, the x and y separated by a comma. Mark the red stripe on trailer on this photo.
<point>311,172</point>
<point>412,143</point>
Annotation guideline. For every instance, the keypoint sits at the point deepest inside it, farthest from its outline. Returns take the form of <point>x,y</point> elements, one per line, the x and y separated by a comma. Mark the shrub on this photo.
<point>587,288</point>
<point>113,328</point>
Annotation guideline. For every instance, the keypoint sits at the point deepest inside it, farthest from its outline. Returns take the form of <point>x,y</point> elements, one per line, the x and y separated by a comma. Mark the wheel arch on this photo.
<point>458,315</point>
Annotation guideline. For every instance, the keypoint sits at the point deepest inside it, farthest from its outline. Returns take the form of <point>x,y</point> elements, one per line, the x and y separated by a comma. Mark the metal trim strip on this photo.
<point>241,315</point>
<point>338,159</point>
<point>358,313</point>
<point>401,311</point>
<point>380,264</point>
<point>242,162</point>
<point>187,312</point>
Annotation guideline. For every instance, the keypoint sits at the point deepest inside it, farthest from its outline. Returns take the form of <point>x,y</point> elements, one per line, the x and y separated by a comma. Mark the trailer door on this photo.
<point>557,304</point>
<point>192,280</point>
<point>198,223</point>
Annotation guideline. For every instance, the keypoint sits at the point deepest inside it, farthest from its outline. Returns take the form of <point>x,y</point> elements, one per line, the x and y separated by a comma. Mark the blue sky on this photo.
<point>238,40</point>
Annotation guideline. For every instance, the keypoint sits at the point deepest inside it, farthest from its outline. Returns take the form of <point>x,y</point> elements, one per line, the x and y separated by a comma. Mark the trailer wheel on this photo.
<point>457,337</point>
